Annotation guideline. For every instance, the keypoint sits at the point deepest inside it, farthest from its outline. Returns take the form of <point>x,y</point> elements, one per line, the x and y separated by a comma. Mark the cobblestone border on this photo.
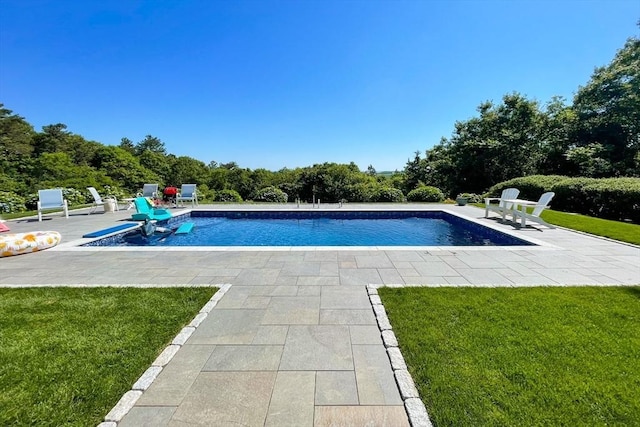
<point>416,411</point>
<point>129,399</point>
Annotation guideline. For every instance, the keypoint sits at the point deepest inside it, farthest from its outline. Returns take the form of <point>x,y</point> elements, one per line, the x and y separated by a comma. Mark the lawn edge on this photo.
<point>416,411</point>
<point>129,399</point>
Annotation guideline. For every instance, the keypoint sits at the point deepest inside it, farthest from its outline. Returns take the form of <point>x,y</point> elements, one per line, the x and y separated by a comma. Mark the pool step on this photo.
<point>185,228</point>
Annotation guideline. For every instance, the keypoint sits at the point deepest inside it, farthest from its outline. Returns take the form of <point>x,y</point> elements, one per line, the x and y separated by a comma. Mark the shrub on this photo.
<point>11,202</point>
<point>471,197</point>
<point>614,198</point>
<point>227,196</point>
<point>271,194</point>
<point>425,194</point>
<point>74,197</point>
<point>570,196</point>
<point>359,192</point>
<point>388,194</point>
<point>531,187</point>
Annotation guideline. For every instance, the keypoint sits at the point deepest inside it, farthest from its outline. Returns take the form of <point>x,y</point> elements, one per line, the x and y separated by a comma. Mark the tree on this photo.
<point>608,110</point>
<point>187,170</point>
<point>123,168</point>
<point>53,139</point>
<point>150,143</point>
<point>502,143</point>
<point>127,144</point>
<point>16,147</point>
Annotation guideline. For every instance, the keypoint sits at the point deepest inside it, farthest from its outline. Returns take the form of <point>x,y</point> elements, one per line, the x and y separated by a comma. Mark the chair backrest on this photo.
<point>150,190</point>
<point>508,194</point>
<point>51,198</point>
<point>95,195</point>
<point>142,205</point>
<point>543,202</point>
<point>187,190</point>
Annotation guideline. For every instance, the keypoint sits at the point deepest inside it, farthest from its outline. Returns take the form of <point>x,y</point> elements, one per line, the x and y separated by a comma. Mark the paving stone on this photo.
<point>389,338</point>
<point>340,297</point>
<point>375,300</point>
<point>147,378</point>
<point>228,327</point>
<point>205,404</point>
<point>397,361</point>
<point>375,380</point>
<point>270,334</point>
<point>148,416</point>
<point>166,355</point>
<point>405,384</point>
<point>292,311</point>
<point>198,320</point>
<point>417,413</point>
<point>123,406</point>
<point>292,401</point>
<point>331,416</point>
<point>173,383</point>
<point>183,336</point>
<point>365,334</point>
<point>336,388</point>
<point>321,348</point>
<point>244,358</point>
<point>347,317</point>
<point>381,317</point>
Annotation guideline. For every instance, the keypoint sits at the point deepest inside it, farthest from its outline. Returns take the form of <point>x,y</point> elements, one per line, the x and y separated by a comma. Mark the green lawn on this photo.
<point>622,231</point>
<point>522,356</point>
<point>67,355</point>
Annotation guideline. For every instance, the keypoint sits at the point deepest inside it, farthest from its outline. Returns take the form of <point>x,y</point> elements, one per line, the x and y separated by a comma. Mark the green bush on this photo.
<point>531,187</point>
<point>570,196</point>
<point>271,194</point>
<point>614,198</point>
<point>227,196</point>
<point>388,194</point>
<point>11,202</point>
<point>425,194</point>
<point>471,197</point>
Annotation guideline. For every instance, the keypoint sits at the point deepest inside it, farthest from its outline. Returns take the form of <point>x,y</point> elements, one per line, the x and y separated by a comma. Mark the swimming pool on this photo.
<point>321,228</point>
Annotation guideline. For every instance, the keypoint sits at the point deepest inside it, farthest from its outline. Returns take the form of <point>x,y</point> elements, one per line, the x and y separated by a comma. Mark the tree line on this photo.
<point>598,135</point>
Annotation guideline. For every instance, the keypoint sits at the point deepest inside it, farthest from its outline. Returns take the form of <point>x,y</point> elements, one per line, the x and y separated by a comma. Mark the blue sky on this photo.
<point>273,84</point>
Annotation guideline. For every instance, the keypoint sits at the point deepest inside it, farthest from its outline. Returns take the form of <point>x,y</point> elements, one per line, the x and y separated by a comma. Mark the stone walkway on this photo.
<point>294,340</point>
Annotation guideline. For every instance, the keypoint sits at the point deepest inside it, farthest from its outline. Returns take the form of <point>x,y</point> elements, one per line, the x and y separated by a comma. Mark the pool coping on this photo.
<point>76,245</point>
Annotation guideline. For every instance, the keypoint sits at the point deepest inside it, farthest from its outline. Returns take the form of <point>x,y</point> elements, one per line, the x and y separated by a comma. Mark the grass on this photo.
<point>622,231</point>
<point>522,356</point>
<point>67,355</point>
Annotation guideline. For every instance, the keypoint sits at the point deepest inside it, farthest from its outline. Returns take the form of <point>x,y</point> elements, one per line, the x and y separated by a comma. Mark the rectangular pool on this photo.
<point>319,228</point>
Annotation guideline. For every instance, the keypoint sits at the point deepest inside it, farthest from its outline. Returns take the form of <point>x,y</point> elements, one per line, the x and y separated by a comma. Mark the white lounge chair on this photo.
<point>50,200</point>
<point>187,192</point>
<point>109,204</point>
<point>502,207</point>
<point>149,190</point>
<point>540,205</point>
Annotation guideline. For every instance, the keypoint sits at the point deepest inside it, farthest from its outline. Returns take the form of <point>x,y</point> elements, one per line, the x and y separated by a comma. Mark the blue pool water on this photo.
<point>321,228</point>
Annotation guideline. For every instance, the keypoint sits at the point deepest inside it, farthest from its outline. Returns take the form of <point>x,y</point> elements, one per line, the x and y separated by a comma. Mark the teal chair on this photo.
<point>145,210</point>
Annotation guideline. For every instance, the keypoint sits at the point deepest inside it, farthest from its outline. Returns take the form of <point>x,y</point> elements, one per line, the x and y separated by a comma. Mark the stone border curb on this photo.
<point>416,411</point>
<point>129,399</point>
